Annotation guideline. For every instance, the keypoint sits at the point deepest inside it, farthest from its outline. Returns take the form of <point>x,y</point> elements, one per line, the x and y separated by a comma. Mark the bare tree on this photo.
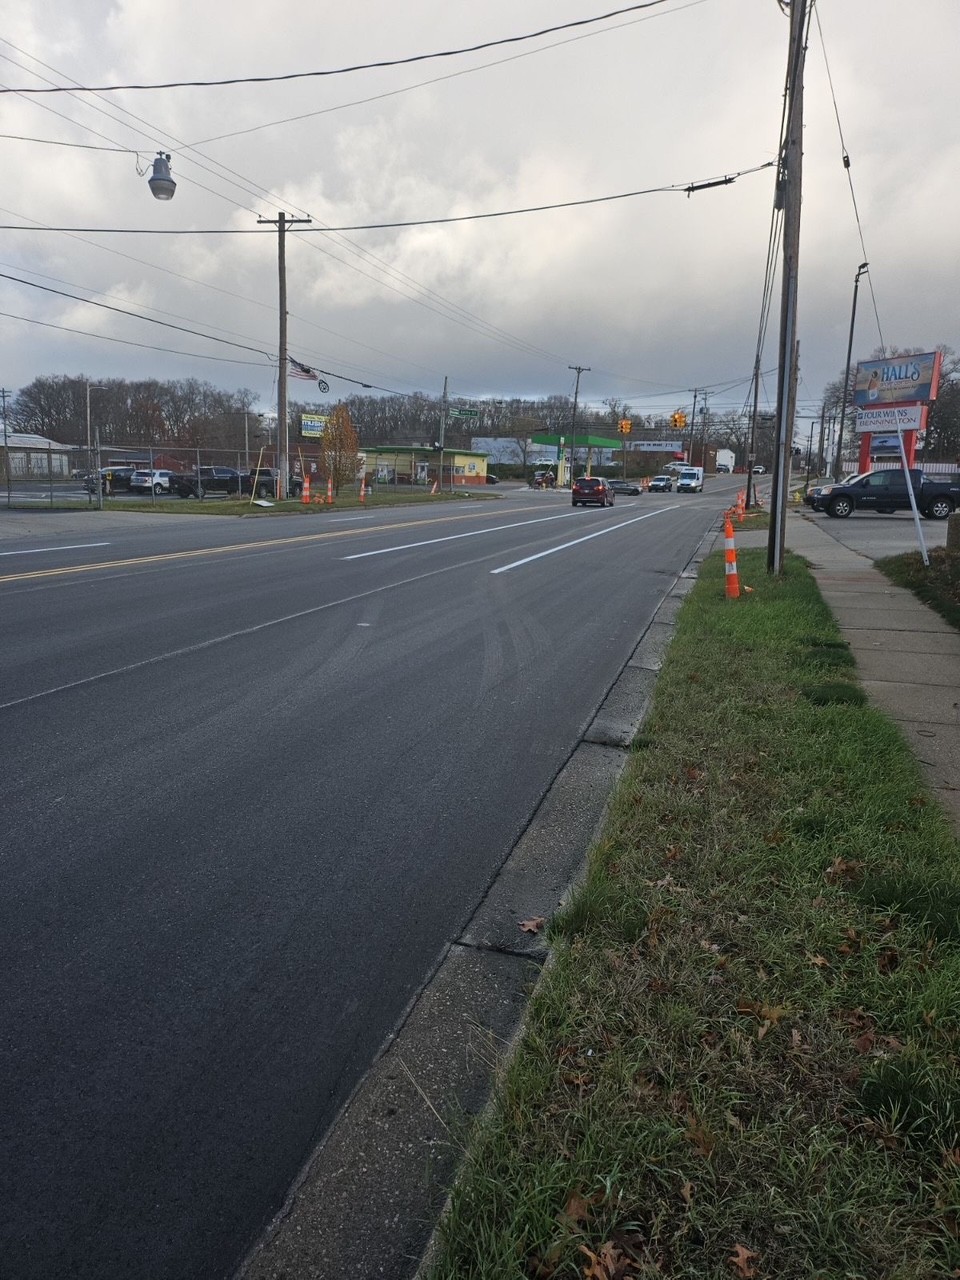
<point>339,448</point>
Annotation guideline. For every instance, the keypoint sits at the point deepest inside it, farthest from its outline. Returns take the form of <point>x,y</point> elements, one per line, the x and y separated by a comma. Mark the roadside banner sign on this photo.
<point>887,418</point>
<point>312,425</point>
<point>899,380</point>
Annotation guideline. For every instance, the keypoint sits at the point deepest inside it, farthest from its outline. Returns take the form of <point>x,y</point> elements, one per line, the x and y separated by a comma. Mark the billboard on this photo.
<point>899,380</point>
<point>893,418</point>
<point>312,425</point>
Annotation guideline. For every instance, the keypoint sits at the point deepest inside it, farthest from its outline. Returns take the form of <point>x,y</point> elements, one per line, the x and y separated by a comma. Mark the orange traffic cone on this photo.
<point>305,496</point>
<point>730,555</point>
<point>330,490</point>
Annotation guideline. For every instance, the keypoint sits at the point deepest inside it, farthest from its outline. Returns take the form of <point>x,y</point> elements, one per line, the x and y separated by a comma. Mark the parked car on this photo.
<point>885,492</point>
<point>189,484</point>
<point>759,471</point>
<point>722,469</point>
<point>492,479</point>
<point>263,482</point>
<point>593,489</point>
<point>626,486</point>
<point>114,478</point>
<point>147,481</point>
<point>661,484</point>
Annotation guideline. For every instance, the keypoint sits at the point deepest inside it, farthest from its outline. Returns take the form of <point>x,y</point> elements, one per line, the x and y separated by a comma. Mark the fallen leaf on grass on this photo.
<point>843,869</point>
<point>742,1260</point>
<point>609,1264</point>
<point>533,925</point>
<point>577,1209</point>
<point>686,1193</point>
<point>821,962</point>
<point>700,1136</point>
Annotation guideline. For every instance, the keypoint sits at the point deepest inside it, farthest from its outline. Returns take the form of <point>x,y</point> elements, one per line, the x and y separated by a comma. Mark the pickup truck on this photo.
<point>191,484</point>
<point>886,491</point>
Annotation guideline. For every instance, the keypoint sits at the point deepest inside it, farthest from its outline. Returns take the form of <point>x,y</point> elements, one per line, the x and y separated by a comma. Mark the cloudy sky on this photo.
<point>656,293</point>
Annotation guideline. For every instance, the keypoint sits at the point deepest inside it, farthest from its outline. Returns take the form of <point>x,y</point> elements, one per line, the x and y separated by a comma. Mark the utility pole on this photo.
<point>823,428</point>
<point>444,410</point>
<point>752,447</point>
<point>6,448</point>
<point>281,222</point>
<point>838,465</point>
<point>693,425</point>
<point>789,187</point>
<point>705,424</point>
<point>580,368</point>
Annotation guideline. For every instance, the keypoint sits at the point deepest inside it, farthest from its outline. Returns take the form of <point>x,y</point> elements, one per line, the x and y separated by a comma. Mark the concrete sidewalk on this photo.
<point>908,657</point>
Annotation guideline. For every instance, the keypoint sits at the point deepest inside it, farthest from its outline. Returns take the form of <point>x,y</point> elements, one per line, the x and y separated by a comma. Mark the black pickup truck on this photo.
<point>227,480</point>
<point>886,491</point>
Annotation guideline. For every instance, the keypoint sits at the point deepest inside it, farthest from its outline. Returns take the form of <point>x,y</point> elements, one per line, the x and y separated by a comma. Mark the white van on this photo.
<point>690,480</point>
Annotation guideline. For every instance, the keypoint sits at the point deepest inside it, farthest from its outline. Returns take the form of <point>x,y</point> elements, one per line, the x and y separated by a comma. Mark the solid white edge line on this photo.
<point>36,551</point>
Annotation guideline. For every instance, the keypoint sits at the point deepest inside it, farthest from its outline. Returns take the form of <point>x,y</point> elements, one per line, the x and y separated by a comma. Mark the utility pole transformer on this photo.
<point>789,190</point>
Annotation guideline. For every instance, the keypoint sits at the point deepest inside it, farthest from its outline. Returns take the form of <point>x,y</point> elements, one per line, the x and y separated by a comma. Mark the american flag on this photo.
<point>298,370</point>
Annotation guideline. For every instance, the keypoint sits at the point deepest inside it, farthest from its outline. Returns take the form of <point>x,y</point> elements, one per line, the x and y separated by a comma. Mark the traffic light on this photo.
<point>625,427</point>
<point>679,420</point>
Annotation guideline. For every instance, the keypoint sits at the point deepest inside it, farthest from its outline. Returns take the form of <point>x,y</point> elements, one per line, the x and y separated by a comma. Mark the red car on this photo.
<point>592,489</point>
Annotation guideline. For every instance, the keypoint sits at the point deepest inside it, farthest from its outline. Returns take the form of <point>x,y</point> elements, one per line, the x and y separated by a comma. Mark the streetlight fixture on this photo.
<point>160,182</point>
<point>837,466</point>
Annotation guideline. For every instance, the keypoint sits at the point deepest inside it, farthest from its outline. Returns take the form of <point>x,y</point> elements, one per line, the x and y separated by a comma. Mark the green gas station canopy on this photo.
<point>580,442</point>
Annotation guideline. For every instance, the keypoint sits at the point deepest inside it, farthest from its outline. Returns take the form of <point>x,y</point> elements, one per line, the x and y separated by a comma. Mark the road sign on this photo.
<point>464,413</point>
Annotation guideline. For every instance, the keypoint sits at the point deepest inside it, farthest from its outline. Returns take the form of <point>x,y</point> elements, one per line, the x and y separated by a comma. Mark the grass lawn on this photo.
<point>742,1057</point>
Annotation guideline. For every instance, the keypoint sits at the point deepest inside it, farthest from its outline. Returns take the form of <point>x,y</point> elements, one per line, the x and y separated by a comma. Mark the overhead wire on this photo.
<point>246,185</point>
<point>493,332</point>
<point>847,169</point>
<point>363,66</point>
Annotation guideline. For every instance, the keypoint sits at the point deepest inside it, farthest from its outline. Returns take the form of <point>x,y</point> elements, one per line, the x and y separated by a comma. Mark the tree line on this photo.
<point>196,414</point>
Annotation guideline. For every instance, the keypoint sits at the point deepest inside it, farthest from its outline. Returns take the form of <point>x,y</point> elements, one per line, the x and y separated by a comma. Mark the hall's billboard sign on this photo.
<point>899,380</point>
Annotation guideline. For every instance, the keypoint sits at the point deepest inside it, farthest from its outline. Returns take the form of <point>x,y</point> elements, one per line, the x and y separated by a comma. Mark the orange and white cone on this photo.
<point>330,489</point>
<point>305,496</point>
<point>730,555</point>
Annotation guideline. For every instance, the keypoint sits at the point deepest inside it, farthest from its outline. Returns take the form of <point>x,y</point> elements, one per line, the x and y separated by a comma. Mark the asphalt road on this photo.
<point>256,775</point>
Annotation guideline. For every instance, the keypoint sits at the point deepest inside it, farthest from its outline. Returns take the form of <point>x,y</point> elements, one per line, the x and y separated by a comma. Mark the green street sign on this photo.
<point>464,413</point>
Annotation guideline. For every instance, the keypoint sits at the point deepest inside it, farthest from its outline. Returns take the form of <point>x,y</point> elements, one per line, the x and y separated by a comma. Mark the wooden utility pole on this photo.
<point>579,368</point>
<point>789,189</point>
<point>281,222</point>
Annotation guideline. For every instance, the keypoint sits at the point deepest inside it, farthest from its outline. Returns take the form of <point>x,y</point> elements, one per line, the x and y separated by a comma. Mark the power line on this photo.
<point>846,166</point>
<point>688,188</point>
<point>363,66</point>
<point>128,342</point>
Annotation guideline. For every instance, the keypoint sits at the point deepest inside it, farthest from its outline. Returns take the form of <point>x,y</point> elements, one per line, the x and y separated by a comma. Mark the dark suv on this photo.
<point>592,489</point>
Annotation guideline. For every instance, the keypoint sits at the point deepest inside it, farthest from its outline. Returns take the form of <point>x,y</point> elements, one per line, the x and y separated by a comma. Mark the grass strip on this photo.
<point>742,1058</point>
<point>937,585</point>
